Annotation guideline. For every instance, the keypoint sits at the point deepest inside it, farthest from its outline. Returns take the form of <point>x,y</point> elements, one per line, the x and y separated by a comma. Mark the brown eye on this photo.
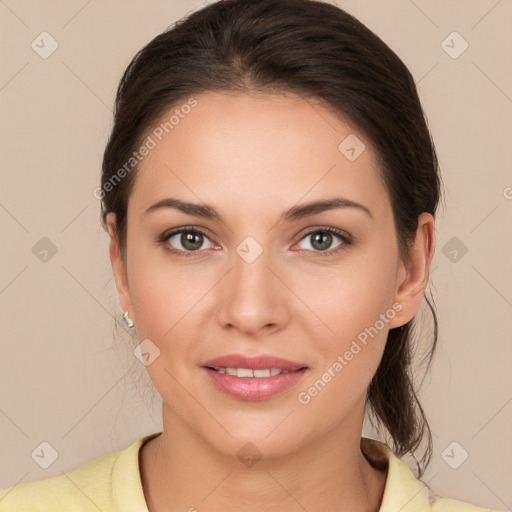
<point>321,241</point>
<point>185,241</point>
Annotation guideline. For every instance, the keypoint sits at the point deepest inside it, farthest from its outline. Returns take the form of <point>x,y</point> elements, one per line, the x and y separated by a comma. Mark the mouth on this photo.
<point>262,373</point>
<point>256,378</point>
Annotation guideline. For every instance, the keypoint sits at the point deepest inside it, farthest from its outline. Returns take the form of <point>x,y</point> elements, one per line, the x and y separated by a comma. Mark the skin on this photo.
<point>252,156</point>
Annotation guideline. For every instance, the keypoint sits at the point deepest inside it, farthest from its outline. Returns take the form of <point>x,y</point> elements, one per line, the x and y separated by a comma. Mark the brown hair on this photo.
<point>320,52</point>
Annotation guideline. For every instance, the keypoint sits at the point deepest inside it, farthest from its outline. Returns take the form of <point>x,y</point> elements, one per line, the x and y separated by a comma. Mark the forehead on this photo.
<point>255,148</point>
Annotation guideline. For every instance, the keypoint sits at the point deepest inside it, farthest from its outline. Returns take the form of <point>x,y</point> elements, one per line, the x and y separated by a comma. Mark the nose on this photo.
<point>253,298</point>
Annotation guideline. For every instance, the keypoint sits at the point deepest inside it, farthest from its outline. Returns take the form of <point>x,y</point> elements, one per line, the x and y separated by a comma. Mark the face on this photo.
<point>318,287</point>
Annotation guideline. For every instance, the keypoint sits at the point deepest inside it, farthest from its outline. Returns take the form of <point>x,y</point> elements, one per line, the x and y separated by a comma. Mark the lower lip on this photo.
<point>254,388</point>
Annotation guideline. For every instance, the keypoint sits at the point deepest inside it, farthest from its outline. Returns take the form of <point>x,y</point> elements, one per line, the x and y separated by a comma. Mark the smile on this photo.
<point>248,372</point>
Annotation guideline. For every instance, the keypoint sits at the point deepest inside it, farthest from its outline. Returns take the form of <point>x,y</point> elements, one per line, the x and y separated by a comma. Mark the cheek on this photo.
<point>167,303</point>
<point>165,298</point>
<point>169,297</point>
<point>353,301</point>
<point>350,294</point>
<point>348,361</point>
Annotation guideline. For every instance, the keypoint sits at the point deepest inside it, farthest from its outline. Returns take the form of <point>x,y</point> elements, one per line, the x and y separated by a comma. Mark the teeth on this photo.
<point>262,373</point>
<point>244,372</point>
<point>247,372</point>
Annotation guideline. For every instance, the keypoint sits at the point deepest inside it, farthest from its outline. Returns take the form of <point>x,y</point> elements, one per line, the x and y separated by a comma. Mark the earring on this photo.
<point>127,320</point>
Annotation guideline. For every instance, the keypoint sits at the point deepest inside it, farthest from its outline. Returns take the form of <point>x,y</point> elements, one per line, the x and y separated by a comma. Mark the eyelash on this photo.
<point>345,239</point>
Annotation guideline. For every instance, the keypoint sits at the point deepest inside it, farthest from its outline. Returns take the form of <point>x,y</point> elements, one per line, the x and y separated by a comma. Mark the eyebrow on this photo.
<point>293,214</point>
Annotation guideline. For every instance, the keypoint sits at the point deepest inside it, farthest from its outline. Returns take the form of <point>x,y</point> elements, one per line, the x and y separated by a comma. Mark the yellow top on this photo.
<point>112,484</point>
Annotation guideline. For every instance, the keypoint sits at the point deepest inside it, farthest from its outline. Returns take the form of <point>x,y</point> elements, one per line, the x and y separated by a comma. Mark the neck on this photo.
<point>180,471</point>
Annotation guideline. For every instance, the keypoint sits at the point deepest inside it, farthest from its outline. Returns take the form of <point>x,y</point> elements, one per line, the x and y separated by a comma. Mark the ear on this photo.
<point>118,266</point>
<point>412,277</point>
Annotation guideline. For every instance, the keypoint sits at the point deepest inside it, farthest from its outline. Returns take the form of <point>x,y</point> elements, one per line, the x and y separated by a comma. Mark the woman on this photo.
<point>269,189</point>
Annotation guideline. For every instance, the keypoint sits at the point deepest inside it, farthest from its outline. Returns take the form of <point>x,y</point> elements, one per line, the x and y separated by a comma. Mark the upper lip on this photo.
<point>254,363</point>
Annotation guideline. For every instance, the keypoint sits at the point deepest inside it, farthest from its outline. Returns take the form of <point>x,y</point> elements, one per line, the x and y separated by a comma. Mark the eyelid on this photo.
<point>330,229</point>
<point>346,239</point>
<point>166,235</point>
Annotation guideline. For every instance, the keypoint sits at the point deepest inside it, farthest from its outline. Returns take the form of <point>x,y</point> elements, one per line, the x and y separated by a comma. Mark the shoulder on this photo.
<point>403,491</point>
<point>89,482</point>
<point>450,505</point>
<point>98,485</point>
<point>85,488</point>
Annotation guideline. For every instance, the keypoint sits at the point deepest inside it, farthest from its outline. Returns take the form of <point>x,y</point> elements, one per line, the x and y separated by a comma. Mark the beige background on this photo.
<point>62,378</point>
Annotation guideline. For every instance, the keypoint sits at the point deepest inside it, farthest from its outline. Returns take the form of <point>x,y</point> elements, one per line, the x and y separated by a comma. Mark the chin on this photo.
<point>269,438</point>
